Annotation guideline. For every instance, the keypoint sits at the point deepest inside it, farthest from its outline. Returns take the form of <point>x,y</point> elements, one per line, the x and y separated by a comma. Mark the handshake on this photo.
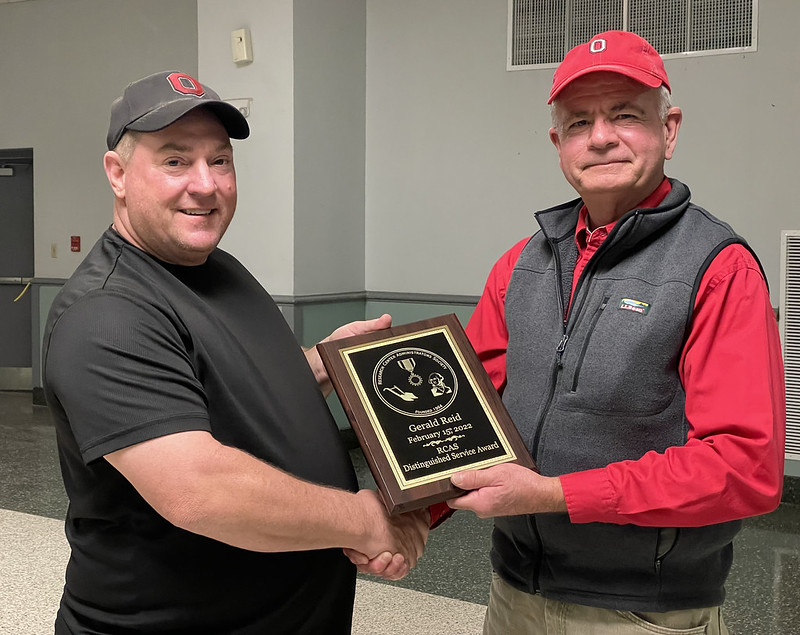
<point>391,544</point>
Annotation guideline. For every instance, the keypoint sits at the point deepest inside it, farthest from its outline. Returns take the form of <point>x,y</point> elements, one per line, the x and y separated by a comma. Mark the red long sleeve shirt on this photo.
<point>731,368</point>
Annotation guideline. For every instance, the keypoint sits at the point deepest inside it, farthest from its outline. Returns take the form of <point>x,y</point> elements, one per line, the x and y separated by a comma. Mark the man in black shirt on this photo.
<point>209,490</point>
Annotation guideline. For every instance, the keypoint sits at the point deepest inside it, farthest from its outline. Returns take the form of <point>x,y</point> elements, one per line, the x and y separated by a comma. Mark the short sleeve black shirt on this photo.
<point>135,349</point>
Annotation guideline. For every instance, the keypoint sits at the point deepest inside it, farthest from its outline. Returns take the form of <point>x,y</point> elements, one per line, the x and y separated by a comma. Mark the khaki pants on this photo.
<point>513,612</point>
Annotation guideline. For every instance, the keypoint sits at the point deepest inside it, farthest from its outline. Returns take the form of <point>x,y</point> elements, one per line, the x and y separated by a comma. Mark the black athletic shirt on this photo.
<point>135,349</point>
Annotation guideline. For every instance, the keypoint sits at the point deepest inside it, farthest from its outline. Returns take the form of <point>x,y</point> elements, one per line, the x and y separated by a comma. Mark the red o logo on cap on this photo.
<point>597,46</point>
<point>185,84</point>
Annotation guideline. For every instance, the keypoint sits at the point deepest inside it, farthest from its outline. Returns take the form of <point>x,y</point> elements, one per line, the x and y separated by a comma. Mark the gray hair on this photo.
<point>664,104</point>
<point>127,144</point>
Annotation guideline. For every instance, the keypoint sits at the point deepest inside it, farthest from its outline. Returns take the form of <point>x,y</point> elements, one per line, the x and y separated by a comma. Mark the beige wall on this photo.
<point>455,153</point>
<point>63,63</point>
<point>262,234</point>
<point>458,156</point>
<point>300,219</point>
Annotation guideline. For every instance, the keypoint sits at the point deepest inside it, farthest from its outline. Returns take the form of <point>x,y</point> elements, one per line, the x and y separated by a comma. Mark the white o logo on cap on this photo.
<point>597,46</point>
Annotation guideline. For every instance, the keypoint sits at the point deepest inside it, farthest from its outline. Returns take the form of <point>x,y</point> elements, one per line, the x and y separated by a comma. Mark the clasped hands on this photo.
<point>501,490</point>
<point>394,544</point>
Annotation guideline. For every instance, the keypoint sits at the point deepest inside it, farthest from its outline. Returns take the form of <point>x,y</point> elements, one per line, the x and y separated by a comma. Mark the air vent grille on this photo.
<point>540,32</point>
<point>790,336</point>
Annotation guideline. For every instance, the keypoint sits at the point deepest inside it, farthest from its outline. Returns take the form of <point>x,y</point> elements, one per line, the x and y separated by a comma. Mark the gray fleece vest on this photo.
<point>602,386</point>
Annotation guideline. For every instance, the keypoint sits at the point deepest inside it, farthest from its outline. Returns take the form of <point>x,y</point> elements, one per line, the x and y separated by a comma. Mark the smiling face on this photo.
<point>176,193</point>
<point>612,141</point>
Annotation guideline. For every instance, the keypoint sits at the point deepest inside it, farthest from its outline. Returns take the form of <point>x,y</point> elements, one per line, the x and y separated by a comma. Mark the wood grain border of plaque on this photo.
<point>422,407</point>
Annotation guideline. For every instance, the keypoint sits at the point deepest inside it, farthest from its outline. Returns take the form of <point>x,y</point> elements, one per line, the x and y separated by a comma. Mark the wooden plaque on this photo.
<point>422,407</point>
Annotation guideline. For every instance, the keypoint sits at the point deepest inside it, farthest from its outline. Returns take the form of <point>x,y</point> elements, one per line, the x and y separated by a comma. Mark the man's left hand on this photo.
<point>353,328</point>
<point>507,490</point>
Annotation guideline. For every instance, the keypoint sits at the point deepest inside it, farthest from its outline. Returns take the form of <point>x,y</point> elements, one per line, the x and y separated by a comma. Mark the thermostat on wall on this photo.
<point>241,46</point>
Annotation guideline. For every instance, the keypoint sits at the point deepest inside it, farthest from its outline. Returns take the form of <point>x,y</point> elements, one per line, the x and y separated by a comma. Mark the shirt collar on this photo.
<point>582,231</point>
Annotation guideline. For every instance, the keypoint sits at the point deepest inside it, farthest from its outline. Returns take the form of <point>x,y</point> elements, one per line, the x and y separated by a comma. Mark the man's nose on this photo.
<point>202,180</point>
<point>603,133</point>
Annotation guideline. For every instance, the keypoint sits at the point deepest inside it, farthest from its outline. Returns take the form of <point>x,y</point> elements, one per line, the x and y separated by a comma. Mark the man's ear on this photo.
<point>115,172</point>
<point>554,139</point>
<point>671,127</point>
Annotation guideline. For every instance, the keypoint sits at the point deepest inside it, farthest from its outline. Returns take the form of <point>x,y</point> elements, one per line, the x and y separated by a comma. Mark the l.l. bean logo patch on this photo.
<point>637,306</point>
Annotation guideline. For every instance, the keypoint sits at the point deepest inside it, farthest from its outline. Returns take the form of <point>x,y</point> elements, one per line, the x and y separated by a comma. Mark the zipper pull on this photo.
<point>561,346</point>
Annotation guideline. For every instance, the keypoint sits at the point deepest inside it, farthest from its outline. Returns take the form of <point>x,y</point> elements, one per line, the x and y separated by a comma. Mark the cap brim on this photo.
<point>158,119</point>
<point>636,74</point>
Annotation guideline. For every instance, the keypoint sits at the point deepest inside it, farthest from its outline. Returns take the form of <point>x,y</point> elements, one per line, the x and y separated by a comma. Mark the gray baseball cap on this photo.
<point>156,101</point>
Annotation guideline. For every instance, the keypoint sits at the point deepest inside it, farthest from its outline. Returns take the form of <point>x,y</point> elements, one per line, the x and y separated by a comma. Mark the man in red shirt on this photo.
<point>636,349</point>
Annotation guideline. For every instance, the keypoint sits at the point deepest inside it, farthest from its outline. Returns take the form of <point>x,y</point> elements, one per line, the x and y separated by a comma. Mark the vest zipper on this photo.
<point>559,350</point>
<point>562,344</point>
<point>557,366</point>
<point>553,381</point>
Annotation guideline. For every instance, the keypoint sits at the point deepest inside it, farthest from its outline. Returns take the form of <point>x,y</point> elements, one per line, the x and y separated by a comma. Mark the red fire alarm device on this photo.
<point>74,243</point>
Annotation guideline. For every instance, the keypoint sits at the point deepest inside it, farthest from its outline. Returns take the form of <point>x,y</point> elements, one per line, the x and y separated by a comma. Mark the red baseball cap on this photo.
<point>616,51</point>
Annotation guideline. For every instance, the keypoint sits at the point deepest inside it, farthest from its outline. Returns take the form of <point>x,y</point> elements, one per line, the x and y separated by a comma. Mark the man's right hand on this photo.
<point>397,544</point>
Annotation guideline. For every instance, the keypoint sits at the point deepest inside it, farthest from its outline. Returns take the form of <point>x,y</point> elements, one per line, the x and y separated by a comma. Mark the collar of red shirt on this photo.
<point>582,232</point>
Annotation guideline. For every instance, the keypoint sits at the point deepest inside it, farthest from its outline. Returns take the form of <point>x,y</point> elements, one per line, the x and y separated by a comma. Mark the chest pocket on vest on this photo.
<point>620,360</point>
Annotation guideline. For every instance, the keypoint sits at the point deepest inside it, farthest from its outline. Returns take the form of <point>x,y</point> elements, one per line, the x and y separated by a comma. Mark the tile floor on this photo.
<point>446,593</point>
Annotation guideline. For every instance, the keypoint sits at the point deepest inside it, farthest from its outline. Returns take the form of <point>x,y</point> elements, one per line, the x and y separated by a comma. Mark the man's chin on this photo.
<point>604,187</point>
<point>194,253</point>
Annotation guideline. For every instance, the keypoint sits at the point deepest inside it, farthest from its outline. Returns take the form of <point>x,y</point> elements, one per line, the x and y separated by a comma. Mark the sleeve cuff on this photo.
<point>590,496</point>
